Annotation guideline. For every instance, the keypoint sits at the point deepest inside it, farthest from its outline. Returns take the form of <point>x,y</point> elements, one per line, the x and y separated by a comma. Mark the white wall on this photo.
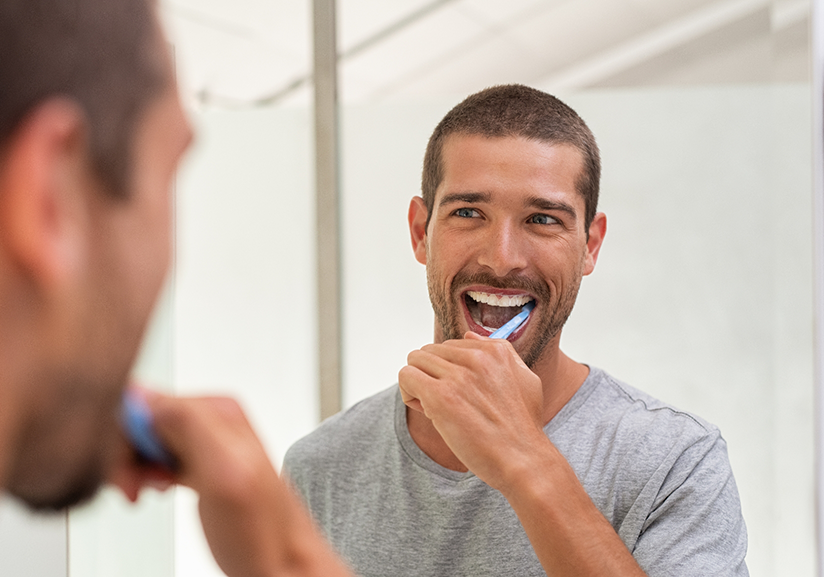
<point>386,310</point>
<point>244,301</point>
<point>31,545</point>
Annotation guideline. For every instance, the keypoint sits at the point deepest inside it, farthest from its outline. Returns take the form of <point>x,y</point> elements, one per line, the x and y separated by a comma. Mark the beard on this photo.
<point>70,432</point>
<point>75,491</point>
<point>64,450</point>
<point>554,312</point>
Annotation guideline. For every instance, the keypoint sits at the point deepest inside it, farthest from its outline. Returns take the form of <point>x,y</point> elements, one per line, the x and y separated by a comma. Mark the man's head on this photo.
<point>516,110</point>
<point>91,131</point>
<point>508,215</point>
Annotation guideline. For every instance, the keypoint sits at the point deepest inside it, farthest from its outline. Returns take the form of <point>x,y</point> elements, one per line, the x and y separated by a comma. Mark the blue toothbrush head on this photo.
<point>137,422</point>
<point>513,323</point>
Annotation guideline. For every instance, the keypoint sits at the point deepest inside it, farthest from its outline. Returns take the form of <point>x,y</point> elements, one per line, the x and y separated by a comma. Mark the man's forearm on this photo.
<point>569,535</point>
<point>308,553</point>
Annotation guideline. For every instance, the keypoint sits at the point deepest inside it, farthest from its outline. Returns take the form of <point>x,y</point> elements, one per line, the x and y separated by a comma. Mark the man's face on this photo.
<point>69,442</point>
<point>507,228</point>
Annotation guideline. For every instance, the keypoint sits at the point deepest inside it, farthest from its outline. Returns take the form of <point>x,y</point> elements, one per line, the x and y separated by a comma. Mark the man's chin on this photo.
<point>81,491</point>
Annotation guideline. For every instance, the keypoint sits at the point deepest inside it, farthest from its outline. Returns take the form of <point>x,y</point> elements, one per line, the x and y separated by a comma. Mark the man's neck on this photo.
<point>561,378</point>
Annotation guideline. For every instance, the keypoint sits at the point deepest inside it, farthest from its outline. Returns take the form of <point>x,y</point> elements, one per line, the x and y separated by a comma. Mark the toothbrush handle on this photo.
<point>137,422</point>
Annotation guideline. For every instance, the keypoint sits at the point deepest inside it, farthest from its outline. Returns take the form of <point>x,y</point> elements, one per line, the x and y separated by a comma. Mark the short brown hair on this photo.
<point>105,55</point>
<point>515,110</point>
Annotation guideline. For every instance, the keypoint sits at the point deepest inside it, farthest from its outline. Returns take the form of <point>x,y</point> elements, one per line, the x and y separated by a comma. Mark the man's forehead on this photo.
<point>464,141</point>
<point>471,163</point>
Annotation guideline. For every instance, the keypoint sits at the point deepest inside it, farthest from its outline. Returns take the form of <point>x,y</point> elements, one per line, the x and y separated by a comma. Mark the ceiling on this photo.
<point>257,52</point>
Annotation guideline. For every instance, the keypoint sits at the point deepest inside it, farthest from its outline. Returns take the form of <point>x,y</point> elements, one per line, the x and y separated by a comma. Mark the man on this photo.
<point>91,131</point>
<point>506,457</point>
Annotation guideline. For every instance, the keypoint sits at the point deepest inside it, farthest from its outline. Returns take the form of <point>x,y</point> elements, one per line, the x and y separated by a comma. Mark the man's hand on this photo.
<point>482,399</point>
<point>253,523</point>
<point>488,407</point>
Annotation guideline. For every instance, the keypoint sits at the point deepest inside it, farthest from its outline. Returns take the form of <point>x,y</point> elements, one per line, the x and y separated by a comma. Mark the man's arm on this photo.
<point>487,406</point>
<point>254,524</point>
<point>568,533</point>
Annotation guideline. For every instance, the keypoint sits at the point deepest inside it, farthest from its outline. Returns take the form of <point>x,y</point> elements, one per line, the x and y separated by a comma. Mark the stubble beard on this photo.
<point>65,450</point>
<point>67,446</point>
<point>75,491</point>
<point>553,314</point>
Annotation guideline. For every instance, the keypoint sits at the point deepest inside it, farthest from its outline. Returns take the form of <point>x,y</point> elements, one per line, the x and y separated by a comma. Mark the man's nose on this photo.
<point>502,250</point>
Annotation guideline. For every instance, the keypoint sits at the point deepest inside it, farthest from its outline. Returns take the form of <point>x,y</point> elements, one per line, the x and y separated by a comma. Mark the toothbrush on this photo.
<point>514,322</point>
<point>137,422</point>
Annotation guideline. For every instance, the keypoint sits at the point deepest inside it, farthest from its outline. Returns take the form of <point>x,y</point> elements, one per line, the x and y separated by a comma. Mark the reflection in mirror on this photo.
<point>703,292</point>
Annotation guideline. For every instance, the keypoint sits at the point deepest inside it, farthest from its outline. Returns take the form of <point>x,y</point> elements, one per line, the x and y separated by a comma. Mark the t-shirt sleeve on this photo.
<point>294,475</point>
<point>695,527</point>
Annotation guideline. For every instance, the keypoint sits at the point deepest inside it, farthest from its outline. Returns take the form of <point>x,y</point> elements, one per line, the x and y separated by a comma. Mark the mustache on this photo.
<point>536,287</point>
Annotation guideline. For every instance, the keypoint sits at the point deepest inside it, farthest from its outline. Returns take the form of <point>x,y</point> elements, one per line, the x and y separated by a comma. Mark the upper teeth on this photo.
<point>499,300</point>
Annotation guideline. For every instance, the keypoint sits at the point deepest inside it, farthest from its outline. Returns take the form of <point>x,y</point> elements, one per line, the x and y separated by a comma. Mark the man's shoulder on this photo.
<point>635,426</point>
<point>615,399</point>
<point>349,432</point>
<point>653,469</point>
<point>619,437</point>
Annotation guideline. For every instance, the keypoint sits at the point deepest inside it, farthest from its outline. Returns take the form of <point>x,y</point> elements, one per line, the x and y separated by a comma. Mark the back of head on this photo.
<point>105,55</point>
<point>515,110</point>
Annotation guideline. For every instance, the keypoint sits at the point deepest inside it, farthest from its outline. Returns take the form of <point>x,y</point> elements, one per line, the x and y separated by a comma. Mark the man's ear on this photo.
<point>417,228</point>
<point>597,232</point>
<point>43,189</point>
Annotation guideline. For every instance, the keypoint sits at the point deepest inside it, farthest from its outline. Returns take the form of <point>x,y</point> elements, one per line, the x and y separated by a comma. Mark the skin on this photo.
<point>254,524</point>
<point>508,211</point>
<point>80,271</point>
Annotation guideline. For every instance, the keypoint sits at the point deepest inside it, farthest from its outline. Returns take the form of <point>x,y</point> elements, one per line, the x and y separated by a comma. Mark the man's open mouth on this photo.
<point>491,311</point>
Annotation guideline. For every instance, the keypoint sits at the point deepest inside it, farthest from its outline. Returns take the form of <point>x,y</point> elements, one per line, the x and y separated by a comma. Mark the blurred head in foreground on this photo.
<point>91,131</point>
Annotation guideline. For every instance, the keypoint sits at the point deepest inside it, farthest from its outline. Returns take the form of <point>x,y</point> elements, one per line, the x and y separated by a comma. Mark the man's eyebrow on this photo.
<point>546,204</point>
<point>465,197</point>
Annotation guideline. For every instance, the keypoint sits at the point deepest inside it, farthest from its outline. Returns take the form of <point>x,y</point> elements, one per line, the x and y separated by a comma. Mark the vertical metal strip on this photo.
<point>327,181</point>
<point>818,267</point>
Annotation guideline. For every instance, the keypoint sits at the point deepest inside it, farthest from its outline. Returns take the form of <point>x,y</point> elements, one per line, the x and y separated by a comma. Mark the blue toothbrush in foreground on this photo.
<point>138,425</point>
<point>514,322</point>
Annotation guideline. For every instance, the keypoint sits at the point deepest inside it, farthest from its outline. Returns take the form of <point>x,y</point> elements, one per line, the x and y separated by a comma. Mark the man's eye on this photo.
<point>466,212</point>
<point>542,219</point>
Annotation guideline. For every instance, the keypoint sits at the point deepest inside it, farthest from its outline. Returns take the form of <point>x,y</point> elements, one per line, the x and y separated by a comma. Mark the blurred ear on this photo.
<point>417,228</point>
<point>44,180</point>
<point>597,232</point>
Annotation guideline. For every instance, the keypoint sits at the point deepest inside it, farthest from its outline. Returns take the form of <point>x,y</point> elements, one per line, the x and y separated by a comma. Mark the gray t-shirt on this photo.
<point>660,476</point>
